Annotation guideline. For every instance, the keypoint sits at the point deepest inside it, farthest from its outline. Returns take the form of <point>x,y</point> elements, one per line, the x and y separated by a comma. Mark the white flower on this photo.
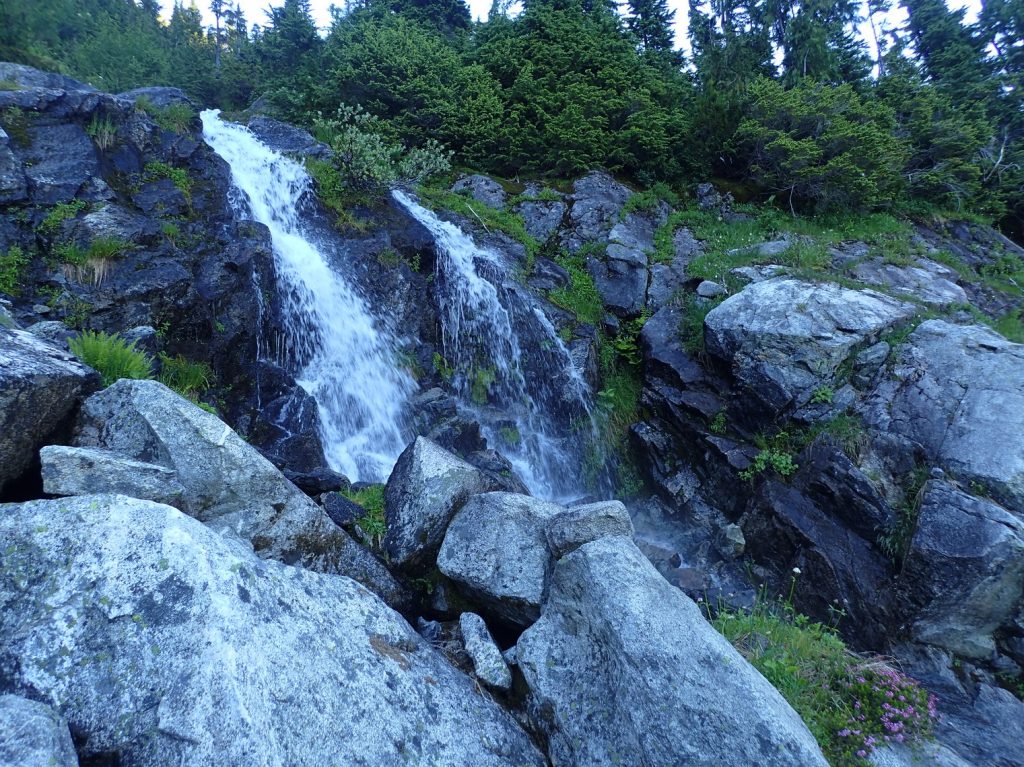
<point>796,571</point>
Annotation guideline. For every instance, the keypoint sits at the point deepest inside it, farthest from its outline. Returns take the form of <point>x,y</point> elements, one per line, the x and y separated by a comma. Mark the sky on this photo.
<point>255,12</point>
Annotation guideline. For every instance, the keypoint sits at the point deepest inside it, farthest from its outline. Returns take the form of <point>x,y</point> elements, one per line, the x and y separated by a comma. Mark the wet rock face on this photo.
<point>41,385</point>
<point>623,668</point>
<point>963,578</point>
<point>287,138</point>
<point>483,189</point>
<point>174,644</point>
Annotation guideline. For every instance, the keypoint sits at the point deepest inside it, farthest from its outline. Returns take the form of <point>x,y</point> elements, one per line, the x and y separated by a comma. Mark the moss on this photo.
<point>178,176</point>
<point>15,122</point>
<point>580,296</point>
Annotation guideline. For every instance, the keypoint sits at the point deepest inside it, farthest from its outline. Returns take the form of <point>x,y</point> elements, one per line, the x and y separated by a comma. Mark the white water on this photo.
<point>332,345</point>
<point>547,415</point>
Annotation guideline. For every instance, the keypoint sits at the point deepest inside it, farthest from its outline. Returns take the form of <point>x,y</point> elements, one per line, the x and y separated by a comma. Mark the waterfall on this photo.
<point>331,343</point>
<point>514,374</point>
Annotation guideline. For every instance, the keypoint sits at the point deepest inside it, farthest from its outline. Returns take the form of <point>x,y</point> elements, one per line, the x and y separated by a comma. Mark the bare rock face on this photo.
<point>33,735</point>
<point>40,387</point>
<point>623,669</point>
<point>163,642</point>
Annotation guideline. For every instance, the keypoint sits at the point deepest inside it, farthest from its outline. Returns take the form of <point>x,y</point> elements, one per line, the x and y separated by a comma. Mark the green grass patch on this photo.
<point>1010,326</point>
<point>189,379</point>
<point>373,522</point>
<point>61,212</point>
<point>178,176</point>
<point>12,264</point>
<point>490,218</point>
<point>580,296</point>
<point>177,118</point>
<point>111,356</point>
<point>9,85</point>
<point>851,705</point>
<point>102,130</point>
<point>649,200</point>
<point>895,541</point>
<point>691,325</point>
<point>15,123</point>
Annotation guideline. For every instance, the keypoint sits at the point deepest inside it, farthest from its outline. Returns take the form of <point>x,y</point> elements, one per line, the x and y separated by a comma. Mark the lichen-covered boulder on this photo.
<point>162,642</point>
<point>33,735</point>
<point>622,668</point>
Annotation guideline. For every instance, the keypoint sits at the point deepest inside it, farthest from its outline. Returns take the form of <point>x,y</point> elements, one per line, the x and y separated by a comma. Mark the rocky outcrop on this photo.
<point>623,669</point>
<point>958,395</point>
<point>483,189</point>
<point>963,576</point>
<point>581,524</point>
<point>597,199</point>
<point>226,483</point>
<point>41,385</point>
<point>488,665</point>
<point>785,338</point>
<point>925,280</point>
<point>33,735</point>
<point>88,470</point>
<point>171,644</point>
<point>427,487</point>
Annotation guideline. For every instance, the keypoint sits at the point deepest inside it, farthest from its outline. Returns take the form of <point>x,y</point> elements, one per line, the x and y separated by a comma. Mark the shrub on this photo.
<point>11,265</point>
<point>822,145</point>
<point>111,356</point>
<point>850,704</point>
<point>177,118</point>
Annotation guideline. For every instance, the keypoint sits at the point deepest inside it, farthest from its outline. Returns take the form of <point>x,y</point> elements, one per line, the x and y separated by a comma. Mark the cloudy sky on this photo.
<point>255,11</point>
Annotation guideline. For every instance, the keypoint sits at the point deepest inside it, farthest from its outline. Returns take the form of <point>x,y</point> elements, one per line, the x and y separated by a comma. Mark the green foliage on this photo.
<point>580,296</point>
<point>15,123</point>
<point>367,159</point>
<point>373,523</point>
<point>719,423</point>
<point>691,324</point>
<point>823,395</point>
<point>12,263</point>
<point>189,379</point>
<point>61,212</point>
<point>845,700</point>
<point>102,130</point>
<point>178,176</point>
<point>176,118</point>
<point>649,199</point>
<point>441,366</point>
<point>823,146</point>
<point>895,541</point>
<point>480,387</point>
<point>111,356</point>
<point>776,459</point>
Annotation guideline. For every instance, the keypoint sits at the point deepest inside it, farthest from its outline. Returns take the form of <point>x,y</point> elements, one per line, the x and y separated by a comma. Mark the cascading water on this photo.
<point>332,345</point>
<point>513,372</point>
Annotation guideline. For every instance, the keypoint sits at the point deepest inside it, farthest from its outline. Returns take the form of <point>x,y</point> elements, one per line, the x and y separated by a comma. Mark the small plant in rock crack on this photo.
<point>823,395</point>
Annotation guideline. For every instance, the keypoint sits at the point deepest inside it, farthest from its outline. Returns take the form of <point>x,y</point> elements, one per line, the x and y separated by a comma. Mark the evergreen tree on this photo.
<point>952,57</point>
<point>818,39</point>
<point>651,22</point>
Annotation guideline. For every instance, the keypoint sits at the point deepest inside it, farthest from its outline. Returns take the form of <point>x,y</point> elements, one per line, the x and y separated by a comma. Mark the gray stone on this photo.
<point>6,318</point>
<point>483,189</point>
<point>28,77</point>
<point>497,552</point>
<point>488,663</point>
<point>62,165</point>
<point>771,249</point>
<point>922,755</point>
<point>869,362</point>
<point>145,337</point>
<point>89,470</point>
<point>13,185</point>
<point>112,222</point>
<point>33,735</point>
<point>622,668</point>
<point>228,484</point>
<point>785,338</point>
<point>542,218</point>
<point>581,524</point>
<point>621,282</point>
<point>53,331</point>
<point>170,644</point>
<point>597,200</point>
<point>686,247</point>
<point>758,273</point>
<point>709,289</point>
<point>964,571</point>
<point>667,282</point>
<point>958,393</point>
<point>40,386</point>
<point>426,488</point>
<point>926,281</point>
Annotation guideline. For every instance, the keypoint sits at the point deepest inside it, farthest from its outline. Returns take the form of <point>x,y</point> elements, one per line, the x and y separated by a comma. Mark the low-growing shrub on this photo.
<point>177,118</point>
<point>852,705</point>
<point>102,130</point>
<point>111,356</point>
<point>61,212</point>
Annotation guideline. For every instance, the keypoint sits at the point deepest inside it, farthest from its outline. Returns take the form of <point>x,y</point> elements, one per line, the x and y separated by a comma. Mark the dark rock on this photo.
<point>597,200</point>
<point>342,511</point>
<point>53,331</point>
<point>41,386</point>
<point>547,275</point>
<point>963,577</point>
<point>709,199</point>
<point>62,165</point>
<point>160,96</point>
<point>542,218</point>
<point>288,139</point>
<point>27,77</point>
<point>829,571</point>
<point>13,184</point>
<point>320,480</point>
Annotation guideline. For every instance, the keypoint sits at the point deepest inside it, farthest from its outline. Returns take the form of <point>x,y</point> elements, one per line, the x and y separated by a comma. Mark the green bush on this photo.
<point>822,146</point>
<point>11,265</point>
<point>177,118</point>
<point>111,356</point>
<point>850,704</point>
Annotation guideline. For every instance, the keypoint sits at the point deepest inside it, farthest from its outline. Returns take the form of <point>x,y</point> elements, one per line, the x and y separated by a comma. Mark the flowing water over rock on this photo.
<point>333,346</point>
<point>513,372</point>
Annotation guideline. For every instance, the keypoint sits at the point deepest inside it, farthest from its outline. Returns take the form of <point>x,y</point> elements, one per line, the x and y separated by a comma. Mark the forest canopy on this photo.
<point>776,99</point>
